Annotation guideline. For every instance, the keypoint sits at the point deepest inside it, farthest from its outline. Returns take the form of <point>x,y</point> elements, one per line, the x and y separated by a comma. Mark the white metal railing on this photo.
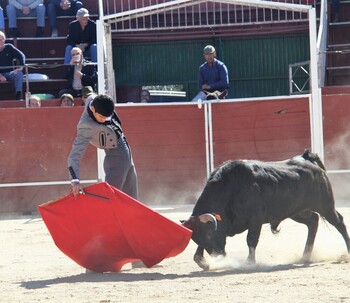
<point>141,15</point>
<point>298,70</point>
<point>321,52</point>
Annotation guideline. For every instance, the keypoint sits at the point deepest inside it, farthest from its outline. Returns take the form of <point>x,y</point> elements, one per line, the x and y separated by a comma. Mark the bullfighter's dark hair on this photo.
<point>103,104</point>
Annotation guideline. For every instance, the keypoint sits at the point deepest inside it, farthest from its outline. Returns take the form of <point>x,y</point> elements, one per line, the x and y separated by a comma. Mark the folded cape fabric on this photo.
<point>104,229</point>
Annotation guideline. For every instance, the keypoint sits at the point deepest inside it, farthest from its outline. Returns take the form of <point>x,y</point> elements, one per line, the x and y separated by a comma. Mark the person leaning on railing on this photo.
<point>212,74</point>
<point>9,53</point>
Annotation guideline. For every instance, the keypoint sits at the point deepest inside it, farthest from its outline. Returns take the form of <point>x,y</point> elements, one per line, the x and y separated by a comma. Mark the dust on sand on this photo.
<point>32,269</point>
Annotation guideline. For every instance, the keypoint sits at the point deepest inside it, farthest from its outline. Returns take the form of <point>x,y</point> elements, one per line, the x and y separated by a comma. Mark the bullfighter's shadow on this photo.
<point>129,276</point>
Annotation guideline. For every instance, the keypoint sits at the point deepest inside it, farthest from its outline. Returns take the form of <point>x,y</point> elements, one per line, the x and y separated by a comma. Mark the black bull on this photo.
<point>243,195</point>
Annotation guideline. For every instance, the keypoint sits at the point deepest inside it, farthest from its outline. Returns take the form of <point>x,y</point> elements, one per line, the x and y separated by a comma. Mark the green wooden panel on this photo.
<point>257,66</point>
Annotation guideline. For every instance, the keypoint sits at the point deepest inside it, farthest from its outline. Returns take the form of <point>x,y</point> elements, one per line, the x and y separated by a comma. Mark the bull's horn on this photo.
<point>208,217</point>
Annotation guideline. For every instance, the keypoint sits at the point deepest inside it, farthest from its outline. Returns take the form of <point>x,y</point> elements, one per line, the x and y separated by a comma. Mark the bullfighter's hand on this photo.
<point>2,78</point>
<point>76,189</point>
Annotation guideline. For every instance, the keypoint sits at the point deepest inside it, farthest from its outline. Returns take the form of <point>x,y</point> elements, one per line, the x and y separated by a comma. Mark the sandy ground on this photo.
<point>32,269</point>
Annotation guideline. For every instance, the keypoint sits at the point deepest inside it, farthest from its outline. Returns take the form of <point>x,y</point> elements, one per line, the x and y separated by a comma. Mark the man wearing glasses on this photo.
<point>80,73</point>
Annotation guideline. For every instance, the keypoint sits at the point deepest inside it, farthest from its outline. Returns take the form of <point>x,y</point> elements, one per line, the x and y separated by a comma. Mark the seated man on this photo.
<point>212,74</point>
<point>80,73</point>
<point>61,8</point>
<point>82,34</point>
<point>9,53</point>
<point>26,8</point>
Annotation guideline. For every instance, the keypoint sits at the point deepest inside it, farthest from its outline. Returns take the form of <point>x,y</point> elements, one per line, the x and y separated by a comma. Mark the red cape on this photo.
<point>104,233</point>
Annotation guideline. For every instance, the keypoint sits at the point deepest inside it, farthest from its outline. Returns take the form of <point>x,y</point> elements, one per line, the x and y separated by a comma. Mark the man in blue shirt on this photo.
<point>212,74</point>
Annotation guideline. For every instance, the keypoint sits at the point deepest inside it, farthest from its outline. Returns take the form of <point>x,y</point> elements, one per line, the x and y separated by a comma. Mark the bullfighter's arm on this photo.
<point>79,147</point>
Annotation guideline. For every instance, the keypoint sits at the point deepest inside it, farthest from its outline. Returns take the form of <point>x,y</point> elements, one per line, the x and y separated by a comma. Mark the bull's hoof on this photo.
<point>251,261</point>
<point>202,263</point>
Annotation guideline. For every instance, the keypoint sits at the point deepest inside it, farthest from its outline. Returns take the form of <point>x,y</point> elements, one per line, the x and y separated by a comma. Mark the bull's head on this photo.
<point>207,235</point>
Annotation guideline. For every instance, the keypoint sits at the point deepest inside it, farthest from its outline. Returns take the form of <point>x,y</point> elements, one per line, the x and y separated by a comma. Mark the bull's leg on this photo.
<point>252,241</point>
<point>199,258</point>
<point>311,221</point>
<point>336,219</point>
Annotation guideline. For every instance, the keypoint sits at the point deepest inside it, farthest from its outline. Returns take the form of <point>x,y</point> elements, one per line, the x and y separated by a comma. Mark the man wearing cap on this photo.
<point>61,8</point>
<point>100,126</point>
<point>212,74</point>
<point>82,34</point>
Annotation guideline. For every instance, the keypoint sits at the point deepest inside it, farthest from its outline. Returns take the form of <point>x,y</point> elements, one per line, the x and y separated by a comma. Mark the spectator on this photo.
<point>145,96</point>
<point>61,8</point>
<point>2,20</point>
<point>9,53</point>
<point>34,102</point>
<point>86,92</point>
<point>99,120</point>
<point>79,73</point>
<point>212,74</point>
<point>82,34</point>
<point>67,100</point>
<point>26,8</point>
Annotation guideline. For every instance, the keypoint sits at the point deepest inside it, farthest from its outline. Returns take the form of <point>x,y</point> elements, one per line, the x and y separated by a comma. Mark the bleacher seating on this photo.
<point>44,55</point>
<point>338,56</point>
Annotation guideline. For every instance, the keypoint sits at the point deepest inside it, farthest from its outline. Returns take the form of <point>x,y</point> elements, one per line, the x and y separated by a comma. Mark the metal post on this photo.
<point>101,81</point>
<point>27,93</point>
<point>316,115</point>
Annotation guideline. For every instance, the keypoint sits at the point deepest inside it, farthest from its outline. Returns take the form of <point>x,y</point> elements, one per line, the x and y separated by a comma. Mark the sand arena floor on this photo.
<point>32,269</point>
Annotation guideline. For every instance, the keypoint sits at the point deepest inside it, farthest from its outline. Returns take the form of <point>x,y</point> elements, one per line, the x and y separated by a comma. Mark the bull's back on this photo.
<point>275,189</point>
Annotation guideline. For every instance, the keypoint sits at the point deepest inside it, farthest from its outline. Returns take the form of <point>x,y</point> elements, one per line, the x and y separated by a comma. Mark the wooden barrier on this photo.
<point>168,144</point>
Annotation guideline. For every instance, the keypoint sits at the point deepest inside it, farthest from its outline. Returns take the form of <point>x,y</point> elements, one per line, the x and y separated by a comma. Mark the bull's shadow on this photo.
<point>128,276</point>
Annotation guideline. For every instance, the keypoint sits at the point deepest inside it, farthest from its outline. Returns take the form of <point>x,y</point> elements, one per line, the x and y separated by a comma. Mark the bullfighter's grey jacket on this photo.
<point>89,131</point>
<point>118,163</point>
